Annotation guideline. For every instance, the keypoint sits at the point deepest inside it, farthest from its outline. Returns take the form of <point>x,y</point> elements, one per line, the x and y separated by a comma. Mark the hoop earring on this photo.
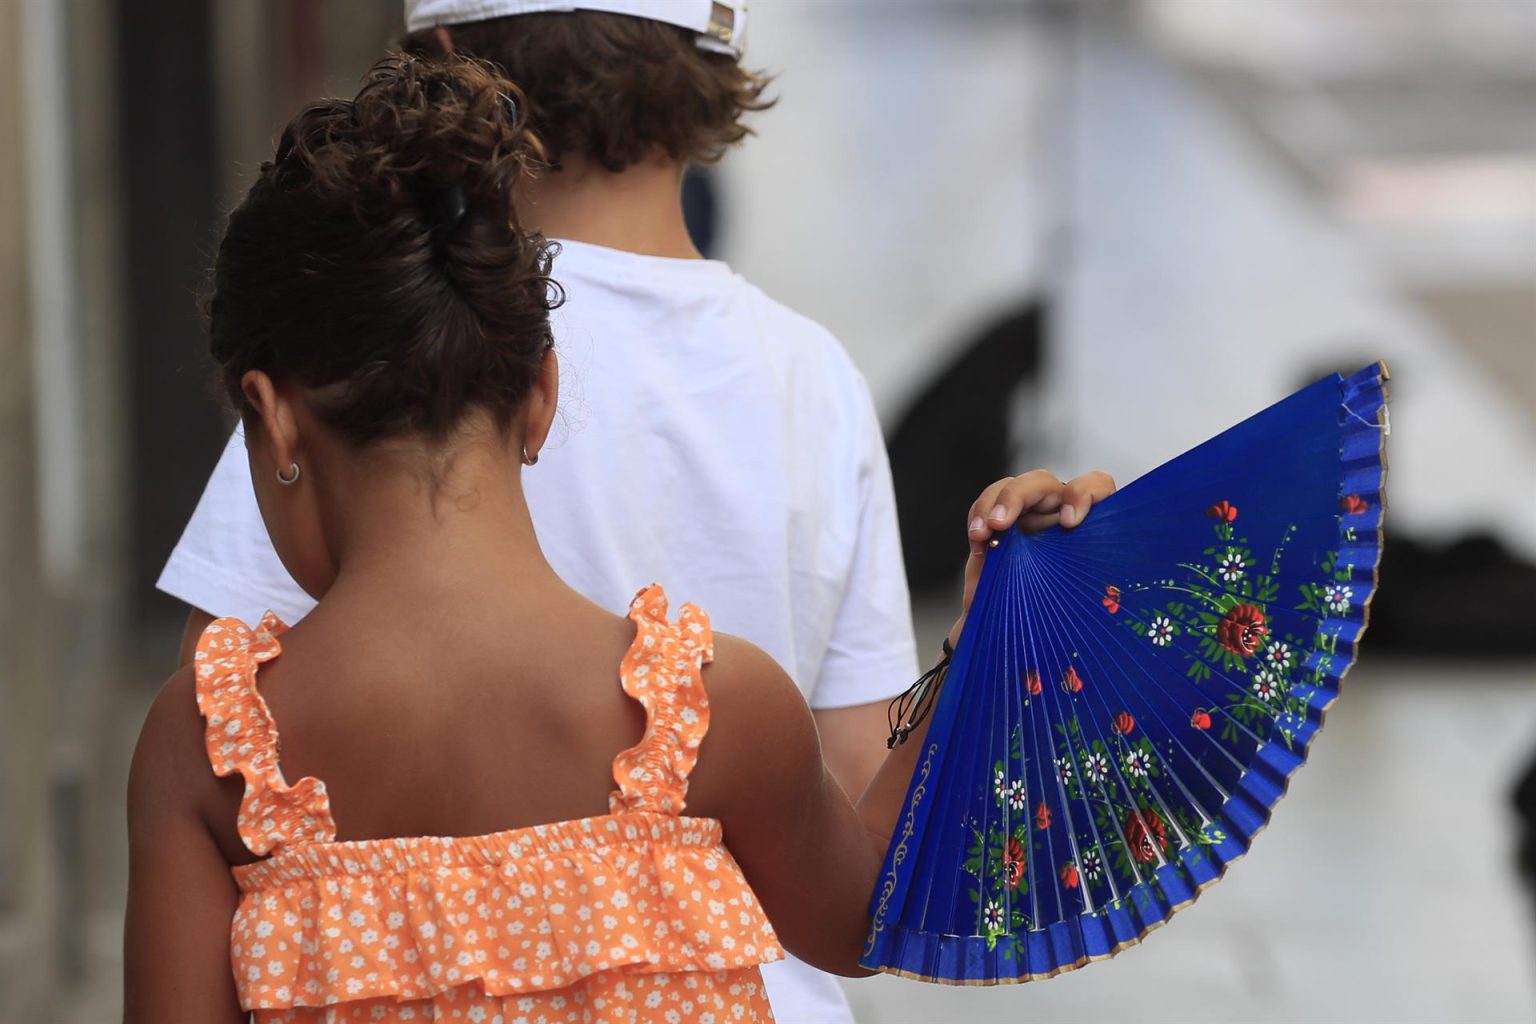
<point>529,460</point>
<point>289,481</point>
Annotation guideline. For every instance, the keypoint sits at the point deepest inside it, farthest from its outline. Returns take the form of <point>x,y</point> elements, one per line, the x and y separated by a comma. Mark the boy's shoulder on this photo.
<point>814,366</point>
<point>785,322</point>
<point>624,278</point>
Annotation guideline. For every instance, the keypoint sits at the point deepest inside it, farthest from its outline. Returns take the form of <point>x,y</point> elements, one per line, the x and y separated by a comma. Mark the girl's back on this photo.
<point>448,715</point>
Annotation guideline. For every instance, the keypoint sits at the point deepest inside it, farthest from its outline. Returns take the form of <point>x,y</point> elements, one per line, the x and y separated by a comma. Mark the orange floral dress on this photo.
<point>637,915</point>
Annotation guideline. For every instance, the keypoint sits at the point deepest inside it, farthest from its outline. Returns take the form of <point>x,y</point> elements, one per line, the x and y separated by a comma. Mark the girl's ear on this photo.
<point>540,414</point>
<point>279,425</point>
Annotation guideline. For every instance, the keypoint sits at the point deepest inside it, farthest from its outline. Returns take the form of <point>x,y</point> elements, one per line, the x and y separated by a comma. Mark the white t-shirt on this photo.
<point>709,439</point>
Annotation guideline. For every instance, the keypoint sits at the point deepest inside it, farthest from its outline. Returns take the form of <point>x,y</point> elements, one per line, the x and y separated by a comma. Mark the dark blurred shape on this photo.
<point>955,439</point>
<point>168,160</point>
<point>1469,599</point>
<point>299,57</point>
<point>701,207</point>
<point>1524,799</point>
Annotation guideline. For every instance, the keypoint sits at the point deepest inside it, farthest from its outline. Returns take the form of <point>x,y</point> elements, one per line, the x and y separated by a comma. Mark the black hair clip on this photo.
<point>451,208</point>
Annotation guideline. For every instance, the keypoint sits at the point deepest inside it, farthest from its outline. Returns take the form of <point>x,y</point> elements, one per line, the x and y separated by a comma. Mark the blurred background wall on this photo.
<point>1049,232</point>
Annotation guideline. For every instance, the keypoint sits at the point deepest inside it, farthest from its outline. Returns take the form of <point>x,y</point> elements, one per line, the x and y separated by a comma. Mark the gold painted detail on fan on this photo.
<point>899,854</point>
<point>1082,961</point>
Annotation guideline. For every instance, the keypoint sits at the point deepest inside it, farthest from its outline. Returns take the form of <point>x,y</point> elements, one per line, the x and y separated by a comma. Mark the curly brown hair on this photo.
<point>612,88</point>
<point>378,258</point>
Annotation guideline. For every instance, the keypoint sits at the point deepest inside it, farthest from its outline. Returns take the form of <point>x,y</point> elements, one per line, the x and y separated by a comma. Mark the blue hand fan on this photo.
<point>1129,699</point>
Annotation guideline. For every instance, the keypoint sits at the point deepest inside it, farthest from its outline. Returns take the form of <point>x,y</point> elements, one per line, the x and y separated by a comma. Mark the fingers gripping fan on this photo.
<point>1129,698</point>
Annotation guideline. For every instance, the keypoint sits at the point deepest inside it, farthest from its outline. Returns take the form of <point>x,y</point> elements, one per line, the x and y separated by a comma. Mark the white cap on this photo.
<point>721,24</point>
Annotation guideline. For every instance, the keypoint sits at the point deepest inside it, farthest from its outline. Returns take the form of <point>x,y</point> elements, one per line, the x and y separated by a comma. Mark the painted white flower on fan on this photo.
<point>1000,786</point>
<point>1017,798</point>
<point>1096,767</point>
<point>992,916</point>
<point>1231,567</point>
<point>1337,598</point>
<point>1092,865</point>
<point>1278,654</point>
<point>1136,763</point>
<point>1064,768</point>
<point>1161,631</point>
<point>1265,684</point>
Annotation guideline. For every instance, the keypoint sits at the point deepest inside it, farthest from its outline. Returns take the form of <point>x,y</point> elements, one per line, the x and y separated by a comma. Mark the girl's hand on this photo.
<point>1035,501</point>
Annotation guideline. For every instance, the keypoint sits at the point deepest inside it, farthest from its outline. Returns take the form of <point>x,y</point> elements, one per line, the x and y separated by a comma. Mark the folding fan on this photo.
<point>1129,698</point>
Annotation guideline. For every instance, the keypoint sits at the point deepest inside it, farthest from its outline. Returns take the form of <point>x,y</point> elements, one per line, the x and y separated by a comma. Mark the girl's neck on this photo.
<point>638,209</point>
<point>392,532</point>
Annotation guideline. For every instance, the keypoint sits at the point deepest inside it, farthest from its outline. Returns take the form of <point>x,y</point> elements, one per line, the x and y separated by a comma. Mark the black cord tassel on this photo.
<point>907,711</point>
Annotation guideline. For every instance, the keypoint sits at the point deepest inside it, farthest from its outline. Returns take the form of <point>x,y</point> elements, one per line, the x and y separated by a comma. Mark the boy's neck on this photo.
<point>639,209</point>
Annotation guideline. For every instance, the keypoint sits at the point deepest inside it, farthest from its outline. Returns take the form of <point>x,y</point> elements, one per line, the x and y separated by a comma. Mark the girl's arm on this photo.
<point>811,855</point>
<point>181,897</point>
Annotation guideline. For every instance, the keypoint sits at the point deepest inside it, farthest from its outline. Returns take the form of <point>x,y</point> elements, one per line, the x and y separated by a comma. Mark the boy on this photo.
<point>716,440</point>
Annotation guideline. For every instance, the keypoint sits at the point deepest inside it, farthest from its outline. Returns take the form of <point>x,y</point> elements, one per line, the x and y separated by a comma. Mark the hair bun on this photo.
<point>381,248</point>
<point>416,127</point>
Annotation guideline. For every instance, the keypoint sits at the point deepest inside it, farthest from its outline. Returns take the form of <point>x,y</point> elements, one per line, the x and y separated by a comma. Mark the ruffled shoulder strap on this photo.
<point>241,736</point>
<point>663,671</point>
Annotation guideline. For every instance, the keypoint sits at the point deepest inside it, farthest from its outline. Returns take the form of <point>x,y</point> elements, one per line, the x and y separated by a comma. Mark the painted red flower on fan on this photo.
<point>1123,723</point>
<point>1013,862</point>
<point>1353,504</point>
<point>1223,510</point>
<point>1069,876</point>
<point>1032,682</point>
<point>1071,681</point>
<point>1042,816</point>
<point>1112,599</point>
<point>1146,835</point>
<point>1241,630</point>
<point>1200,720</point>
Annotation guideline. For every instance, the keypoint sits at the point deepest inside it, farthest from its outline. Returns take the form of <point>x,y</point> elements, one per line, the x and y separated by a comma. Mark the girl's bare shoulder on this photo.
<point>171,779</point>
<point>762,739</point>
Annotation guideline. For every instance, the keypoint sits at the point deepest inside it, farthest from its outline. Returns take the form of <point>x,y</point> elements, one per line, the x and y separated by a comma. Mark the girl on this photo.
<point>448,686</point>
